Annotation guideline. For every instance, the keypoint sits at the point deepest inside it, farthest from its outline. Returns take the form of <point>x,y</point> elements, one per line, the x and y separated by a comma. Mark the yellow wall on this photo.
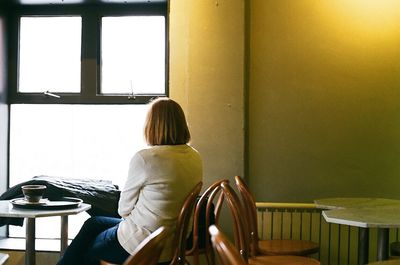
<point>206,77</point>
<point>324,99</point>
<point>323,93</point>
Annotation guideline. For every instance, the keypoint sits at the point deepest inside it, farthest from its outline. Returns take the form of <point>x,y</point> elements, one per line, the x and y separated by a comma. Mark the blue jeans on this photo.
<point>97,240</point>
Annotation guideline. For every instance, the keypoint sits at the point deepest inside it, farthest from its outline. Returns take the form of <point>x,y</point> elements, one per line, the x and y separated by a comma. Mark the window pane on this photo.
<point>133,55</point>
<point>50,54</point>
<point>77,141</point>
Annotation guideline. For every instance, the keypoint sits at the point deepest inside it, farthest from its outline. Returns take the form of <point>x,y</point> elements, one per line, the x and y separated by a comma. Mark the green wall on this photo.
<point>324,99</point>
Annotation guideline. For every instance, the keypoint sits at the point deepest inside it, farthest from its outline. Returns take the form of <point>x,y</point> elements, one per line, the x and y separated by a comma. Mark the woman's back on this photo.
<point>159,180</point>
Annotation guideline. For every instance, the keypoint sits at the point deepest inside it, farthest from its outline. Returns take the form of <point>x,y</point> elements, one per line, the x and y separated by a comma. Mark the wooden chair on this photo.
<point>182,226</point>
<point>242,236</point>
<point>226,251</point>
<point>148,251</point>
<point>273,246</point>
<point>206,200</point>
<point>181,229</point>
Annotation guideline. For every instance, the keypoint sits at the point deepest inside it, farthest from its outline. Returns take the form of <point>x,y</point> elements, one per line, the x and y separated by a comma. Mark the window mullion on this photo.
<point>90,64</point>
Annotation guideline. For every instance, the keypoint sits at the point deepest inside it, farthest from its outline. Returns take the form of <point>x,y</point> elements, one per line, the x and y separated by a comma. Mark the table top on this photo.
<point>7,210</point>
<point>361,212</point>
<point>336,203</point>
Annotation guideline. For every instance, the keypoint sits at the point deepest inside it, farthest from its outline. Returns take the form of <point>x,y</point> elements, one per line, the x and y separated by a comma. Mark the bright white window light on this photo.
<point>50,54</point>
<point>133,55</point>
<point>77,141</point>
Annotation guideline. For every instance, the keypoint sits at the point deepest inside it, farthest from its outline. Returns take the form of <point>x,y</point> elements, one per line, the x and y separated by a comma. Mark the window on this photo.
<point>78,86</point>
<point>89,54</point>
<point>50,54</point>
<point>77,141</point>
<point>132,55</point>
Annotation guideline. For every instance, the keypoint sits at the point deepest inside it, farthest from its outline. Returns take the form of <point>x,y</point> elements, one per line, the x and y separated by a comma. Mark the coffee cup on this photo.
<point>33,193</point>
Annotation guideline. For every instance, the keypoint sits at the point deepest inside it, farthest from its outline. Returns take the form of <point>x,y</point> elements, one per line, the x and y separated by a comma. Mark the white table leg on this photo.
<point>64,234</point>
<point>30,255</point>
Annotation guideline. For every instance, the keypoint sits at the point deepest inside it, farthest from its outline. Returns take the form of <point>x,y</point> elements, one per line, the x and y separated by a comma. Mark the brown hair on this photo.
<point>166,123</point>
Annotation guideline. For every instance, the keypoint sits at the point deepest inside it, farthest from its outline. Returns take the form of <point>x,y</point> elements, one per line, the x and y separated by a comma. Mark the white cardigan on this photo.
<point>158,182</point>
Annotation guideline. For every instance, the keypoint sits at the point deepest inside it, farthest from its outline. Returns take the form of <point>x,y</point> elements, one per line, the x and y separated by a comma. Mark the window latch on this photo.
<point>47,93</point>
<point>132,94</point>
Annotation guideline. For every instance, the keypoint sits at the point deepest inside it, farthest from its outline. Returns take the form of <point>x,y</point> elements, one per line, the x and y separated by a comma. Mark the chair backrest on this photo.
<point>249,205</point>
<point>241,234</point>
<point>149,250</point>
<point>182,225</point>
<point>212,211</point>
<point>226,251</point>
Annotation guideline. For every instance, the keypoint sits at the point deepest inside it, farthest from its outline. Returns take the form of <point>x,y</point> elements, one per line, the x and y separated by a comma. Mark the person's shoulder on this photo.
<point>192,148</point>
<point>144,150</point>
<point>167,149</point>
<point>141,154</point>
<point>181,148</point>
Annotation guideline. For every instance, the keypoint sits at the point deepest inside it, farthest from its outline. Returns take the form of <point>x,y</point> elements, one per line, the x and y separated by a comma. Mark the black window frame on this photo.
<point>90,52</point>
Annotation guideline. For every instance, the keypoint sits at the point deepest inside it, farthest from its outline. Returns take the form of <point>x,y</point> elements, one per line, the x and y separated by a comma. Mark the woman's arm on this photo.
<point>133,185</point>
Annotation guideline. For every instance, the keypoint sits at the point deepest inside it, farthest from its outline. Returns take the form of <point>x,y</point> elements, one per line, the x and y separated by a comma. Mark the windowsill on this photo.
<point>18,244</point>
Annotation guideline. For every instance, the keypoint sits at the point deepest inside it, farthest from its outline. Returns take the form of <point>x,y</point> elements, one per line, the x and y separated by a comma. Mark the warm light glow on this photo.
<point>369,14</point>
